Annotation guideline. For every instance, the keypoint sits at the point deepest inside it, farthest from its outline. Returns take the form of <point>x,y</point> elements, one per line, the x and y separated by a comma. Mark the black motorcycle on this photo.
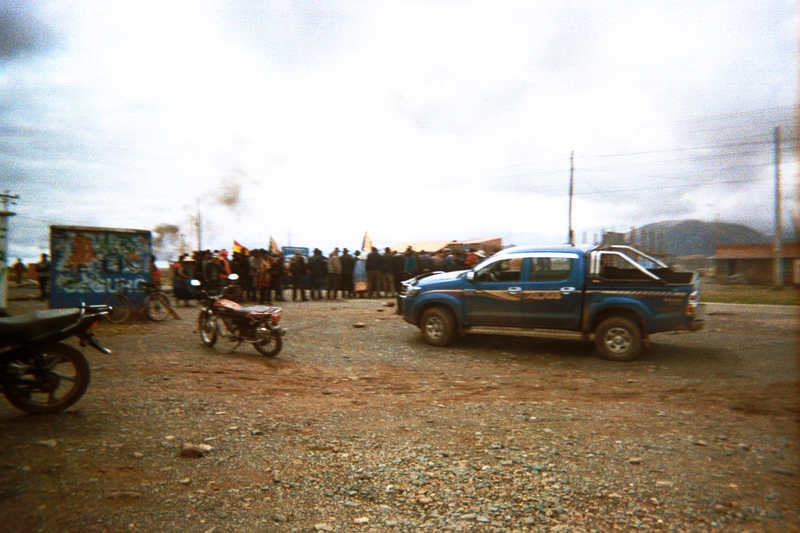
<point>255,324</point>
<point>39,374</point>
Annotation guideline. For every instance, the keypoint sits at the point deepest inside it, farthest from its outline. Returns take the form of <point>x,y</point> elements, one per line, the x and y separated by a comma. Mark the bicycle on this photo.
<point>157,306</point>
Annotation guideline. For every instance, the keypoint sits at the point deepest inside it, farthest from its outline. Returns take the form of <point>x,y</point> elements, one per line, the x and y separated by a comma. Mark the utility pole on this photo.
<point>198,226</point>
<point>7,199</point>
<point>778,231</point>
<point>571,234</point>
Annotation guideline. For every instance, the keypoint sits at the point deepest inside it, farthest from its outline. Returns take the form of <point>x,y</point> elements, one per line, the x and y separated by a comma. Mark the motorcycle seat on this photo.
<point>259,309</point>
<point>256,310</point>
<point>23,328</point>
<point>251,310</point>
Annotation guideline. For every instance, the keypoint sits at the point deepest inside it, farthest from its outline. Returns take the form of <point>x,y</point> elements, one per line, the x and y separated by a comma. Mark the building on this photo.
<point>755,263</point>
<point>487,245</point>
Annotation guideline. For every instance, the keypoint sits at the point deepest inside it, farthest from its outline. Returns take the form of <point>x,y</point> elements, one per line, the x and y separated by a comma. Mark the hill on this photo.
<point>695,237</point>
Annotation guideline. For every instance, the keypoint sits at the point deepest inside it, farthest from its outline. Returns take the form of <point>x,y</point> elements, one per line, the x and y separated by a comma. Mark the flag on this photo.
<point>273,246</point>
<point>366,243</point>
<point>239,249</point>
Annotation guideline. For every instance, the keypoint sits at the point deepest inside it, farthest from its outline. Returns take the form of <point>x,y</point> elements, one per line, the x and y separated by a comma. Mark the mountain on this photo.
<point>694,237</point>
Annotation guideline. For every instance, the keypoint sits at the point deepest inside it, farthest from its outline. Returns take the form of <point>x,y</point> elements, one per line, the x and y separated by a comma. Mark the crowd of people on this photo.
<point>264,276</point>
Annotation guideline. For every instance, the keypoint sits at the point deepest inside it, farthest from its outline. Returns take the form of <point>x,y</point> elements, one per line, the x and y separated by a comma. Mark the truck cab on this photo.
<point>617,294</point>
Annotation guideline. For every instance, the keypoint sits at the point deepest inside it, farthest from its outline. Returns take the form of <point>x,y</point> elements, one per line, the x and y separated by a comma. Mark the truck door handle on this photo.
<point>514,290</point>
<point>567,290</point>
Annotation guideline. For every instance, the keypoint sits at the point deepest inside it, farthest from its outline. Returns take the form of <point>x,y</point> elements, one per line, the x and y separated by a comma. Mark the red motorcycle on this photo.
<point>255,324</point>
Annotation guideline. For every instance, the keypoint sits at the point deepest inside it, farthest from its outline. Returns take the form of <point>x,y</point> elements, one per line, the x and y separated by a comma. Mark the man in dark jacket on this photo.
<point>374,262</point>
<point>43,270</point>
<point>297,268</point>
<point>348,262</point>
<point>319,273</point>
<point>387,272</point>
<point>397,270</point>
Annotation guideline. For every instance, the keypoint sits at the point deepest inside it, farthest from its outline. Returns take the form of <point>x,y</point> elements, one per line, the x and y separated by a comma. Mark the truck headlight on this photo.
<point>412,290</point>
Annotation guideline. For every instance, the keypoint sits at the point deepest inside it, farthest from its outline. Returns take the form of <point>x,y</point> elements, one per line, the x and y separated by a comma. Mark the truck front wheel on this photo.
<point>438,326</point>
<point>618,339</point>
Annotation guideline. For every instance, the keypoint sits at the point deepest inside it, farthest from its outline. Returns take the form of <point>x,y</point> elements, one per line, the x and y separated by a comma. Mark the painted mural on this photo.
<point>89,264</point>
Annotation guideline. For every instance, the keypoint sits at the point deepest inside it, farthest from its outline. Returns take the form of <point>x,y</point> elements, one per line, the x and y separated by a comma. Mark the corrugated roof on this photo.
<point>435,246</point>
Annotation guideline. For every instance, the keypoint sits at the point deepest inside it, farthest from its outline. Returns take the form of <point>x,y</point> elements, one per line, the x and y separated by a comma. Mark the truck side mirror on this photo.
<point>471,275</point>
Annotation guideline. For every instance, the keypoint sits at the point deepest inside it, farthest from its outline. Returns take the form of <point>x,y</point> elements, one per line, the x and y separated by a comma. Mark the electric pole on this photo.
<point>198,226</point>
<point>571,234</point>
<point>778,230</point>
<point>7,199</point>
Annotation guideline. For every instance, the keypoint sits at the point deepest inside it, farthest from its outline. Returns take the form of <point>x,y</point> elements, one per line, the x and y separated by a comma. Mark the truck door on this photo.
<point>494,295</point>
<point>552,291</point>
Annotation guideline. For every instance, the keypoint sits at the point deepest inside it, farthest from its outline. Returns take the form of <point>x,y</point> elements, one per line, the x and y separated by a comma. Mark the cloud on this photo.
<point>22,34</point>
<point>410,120</point>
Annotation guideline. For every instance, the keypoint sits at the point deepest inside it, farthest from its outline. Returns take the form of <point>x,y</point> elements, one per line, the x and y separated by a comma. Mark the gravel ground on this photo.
<point>369,429</point>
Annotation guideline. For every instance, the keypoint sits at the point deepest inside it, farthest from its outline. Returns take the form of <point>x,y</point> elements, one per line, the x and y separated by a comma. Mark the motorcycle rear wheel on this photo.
<point>209,330</point>
<point>270,346</point>
<point>41,391</point>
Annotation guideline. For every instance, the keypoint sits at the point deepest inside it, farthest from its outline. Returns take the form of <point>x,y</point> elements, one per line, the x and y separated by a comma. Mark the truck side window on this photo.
<point>505,270</point>
<point>550,269</point>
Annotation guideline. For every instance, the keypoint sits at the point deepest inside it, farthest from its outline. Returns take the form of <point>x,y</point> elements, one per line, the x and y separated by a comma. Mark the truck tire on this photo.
<point>618,339</point>
<point>438,326</point>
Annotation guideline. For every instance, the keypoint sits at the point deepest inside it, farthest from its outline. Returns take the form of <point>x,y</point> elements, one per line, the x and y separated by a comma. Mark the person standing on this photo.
<point>410,263</point>
<point>348,263</point>
<point>297,269</point>
<point>211,273</point>
<point>397,271</point>
<point>18,269</point>
<point>472,259</point>
<point>43,272</point>
<point>319,272</point>
<point>155,273</point>
<point>252,267</point>
<point>276,272</point>
<point>263,278</point>
<point>387,276</point>
<point>373,265</point>
<point>334,274</point>
<point>241,267</point>
<point>180,283</point>
<point>360,275</point>
<point>423,262</point>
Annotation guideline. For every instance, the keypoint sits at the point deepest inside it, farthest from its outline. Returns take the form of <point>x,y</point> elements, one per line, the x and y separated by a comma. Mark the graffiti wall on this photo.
<point>89,264</point>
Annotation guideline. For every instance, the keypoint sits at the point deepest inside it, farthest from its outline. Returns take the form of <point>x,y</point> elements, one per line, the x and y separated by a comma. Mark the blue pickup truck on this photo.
<point>617,294</point>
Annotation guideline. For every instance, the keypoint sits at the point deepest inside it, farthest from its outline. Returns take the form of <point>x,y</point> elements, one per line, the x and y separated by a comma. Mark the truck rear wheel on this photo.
<point>438,326</point>
<point>618,339</point>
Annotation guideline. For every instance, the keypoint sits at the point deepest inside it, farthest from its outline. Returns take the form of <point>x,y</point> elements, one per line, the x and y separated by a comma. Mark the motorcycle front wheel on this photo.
<point>50,384</point>
<point>209,331</point>
<point>271,345</point>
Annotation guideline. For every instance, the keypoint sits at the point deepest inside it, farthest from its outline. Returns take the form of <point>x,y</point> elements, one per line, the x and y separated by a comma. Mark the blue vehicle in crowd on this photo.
<point>616,294</point>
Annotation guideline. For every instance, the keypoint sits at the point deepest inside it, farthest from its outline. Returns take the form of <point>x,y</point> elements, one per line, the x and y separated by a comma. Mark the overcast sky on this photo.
<point>316,121</point>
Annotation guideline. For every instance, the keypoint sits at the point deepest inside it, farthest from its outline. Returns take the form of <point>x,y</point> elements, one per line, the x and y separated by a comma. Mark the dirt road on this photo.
<point>369,429</point>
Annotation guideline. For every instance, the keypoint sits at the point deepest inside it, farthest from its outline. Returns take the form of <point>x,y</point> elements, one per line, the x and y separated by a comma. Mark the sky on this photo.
<point>314,122</point>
